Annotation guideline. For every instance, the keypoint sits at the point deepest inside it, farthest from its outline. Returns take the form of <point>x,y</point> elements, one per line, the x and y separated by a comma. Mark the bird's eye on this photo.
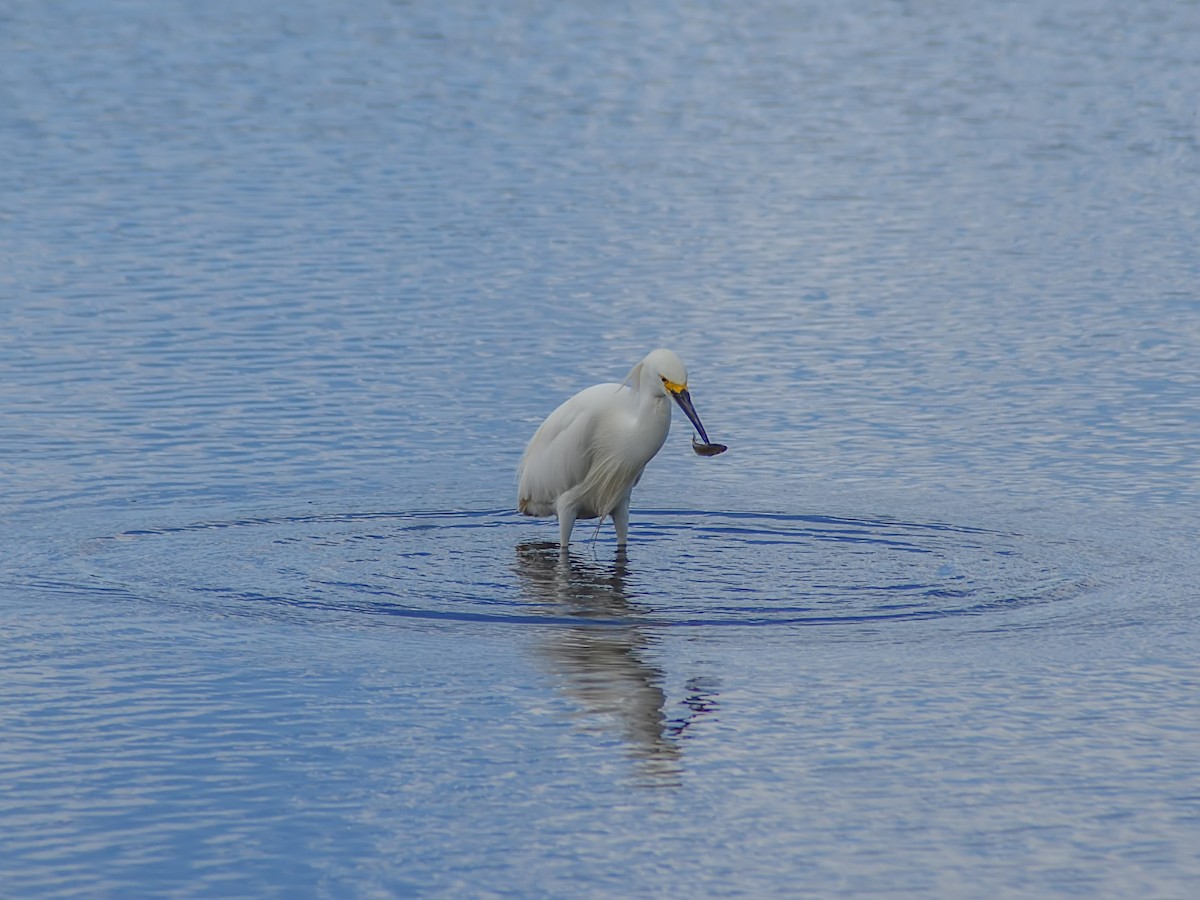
<point>664,378</point>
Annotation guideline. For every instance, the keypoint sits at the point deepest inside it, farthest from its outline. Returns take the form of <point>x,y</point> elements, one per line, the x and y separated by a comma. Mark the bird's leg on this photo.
<point>620,517</point>
<point>566,521</point>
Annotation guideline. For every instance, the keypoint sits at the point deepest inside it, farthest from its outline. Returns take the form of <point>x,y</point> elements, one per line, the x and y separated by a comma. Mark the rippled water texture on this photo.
<point>284,291</point>
<point>725,569</point>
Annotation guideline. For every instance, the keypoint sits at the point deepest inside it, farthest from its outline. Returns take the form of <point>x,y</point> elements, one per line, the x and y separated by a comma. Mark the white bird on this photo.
<point>584,460</point>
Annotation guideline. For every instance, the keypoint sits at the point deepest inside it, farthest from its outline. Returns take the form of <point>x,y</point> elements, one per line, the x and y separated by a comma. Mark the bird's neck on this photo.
<point>651,399</point>
<point>654,410</point>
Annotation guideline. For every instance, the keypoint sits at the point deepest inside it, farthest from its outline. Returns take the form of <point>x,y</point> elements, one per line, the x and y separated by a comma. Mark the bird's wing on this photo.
<point>560,452</point>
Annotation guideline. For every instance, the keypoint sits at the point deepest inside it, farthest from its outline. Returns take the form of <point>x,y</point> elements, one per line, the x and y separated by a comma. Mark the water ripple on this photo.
<point>684,568</point>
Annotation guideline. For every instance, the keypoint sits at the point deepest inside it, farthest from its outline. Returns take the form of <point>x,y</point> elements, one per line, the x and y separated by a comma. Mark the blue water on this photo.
<point>284,291</point>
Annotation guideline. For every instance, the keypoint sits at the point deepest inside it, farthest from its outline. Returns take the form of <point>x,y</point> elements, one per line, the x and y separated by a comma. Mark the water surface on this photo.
<point>283,293</point>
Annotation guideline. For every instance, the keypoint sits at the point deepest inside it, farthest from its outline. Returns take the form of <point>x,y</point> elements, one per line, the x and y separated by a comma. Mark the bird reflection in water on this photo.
<point>600,655</point>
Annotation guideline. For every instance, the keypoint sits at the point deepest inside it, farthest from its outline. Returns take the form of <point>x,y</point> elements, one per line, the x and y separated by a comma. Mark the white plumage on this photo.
<point>584,460</point>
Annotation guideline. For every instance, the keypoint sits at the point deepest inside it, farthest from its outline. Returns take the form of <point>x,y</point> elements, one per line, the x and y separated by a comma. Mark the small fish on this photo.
<point>707,449</point>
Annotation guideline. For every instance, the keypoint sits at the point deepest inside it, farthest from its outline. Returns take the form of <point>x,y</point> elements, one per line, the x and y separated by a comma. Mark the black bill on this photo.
<point>684,399</point>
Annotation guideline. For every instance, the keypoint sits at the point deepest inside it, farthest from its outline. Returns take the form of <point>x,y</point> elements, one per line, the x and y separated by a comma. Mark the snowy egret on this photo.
<point>584,460</point>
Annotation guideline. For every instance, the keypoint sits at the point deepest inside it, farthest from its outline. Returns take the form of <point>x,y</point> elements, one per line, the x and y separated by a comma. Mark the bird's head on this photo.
<point>665,373</point>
